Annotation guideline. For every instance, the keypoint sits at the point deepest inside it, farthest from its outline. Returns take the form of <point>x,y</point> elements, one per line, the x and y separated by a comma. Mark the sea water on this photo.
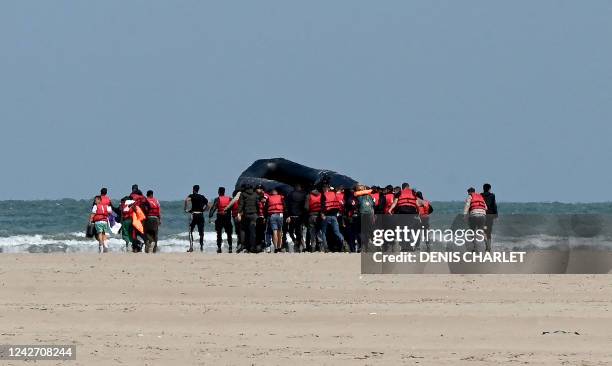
<point>45,226</point>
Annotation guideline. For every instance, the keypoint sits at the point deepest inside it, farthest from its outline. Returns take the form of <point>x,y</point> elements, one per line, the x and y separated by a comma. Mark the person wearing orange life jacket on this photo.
<point>104,198</point>
<point>475,211</point>
<point>343,221</point>
<point>151,223</point>
<point>312,205</point>
<point>405,203</point>
<point>275,209</point>
<point>330,208</point>
<point>232,207</point>
<point>99,216</point>
<point>223,221</point>
<point>386,200</point>
<point>425,209</point>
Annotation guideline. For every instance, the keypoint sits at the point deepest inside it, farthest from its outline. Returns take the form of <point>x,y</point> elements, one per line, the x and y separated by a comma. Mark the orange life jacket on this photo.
<point>424,210</point>
<point>477,202</point>
<point>235,208</point>
<point>331,201</point>
<point>137,217</point>
<point>275,204</point>
<point>407,198</point>
<point>314,203</point>
<point>388,202</point>
<point>154,208</point>
<point>222,204</point>
<point>101,213</point>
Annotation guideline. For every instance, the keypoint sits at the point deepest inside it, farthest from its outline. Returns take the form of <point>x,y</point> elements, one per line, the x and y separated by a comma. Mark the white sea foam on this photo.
<point>77,242</point>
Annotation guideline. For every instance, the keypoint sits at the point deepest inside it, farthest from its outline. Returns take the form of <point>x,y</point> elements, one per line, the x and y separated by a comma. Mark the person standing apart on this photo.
<point>199,204</point>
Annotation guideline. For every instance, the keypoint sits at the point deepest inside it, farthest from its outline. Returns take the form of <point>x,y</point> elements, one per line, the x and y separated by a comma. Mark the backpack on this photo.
<point>366,204</point>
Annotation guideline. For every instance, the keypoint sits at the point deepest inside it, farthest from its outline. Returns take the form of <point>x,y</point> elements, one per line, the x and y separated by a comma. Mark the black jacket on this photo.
<point>295,203</point>
<point>490,201</point>
<point>248,203</point>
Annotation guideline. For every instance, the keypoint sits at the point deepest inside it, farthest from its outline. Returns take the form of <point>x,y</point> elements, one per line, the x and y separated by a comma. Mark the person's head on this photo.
<point>273,191</point>
<point>298,187</point>
<point>103,192</point>
<point>340,189</point>
<point>196,188</point>
<point>134,187</point>
<point>149,193</point>
<point>259,189</point>
<point>396,189</point>
<point>419,194</point>
<point>123,199</point>
<point>221,191</point>
<point>405,185</point>
<point>471,190</point>
<point>325,187</point>
<point>389,189</point>
<point>97,199</point>
<point>486,187</point>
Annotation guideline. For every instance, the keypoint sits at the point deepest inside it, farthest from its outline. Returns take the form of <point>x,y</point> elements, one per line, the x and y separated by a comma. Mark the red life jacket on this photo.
<point>104,200</point>
<point>222,204</point>
<point>101,213</point>
<point>138,199</point>
<point>235,208</point>
<point>126,212</point>
<point>340,196</point>
<point>261,203</point>
<point>388,202</point>
<point>154,208</point>
<point>314,203</point>
<point>275,204</point>
<point>477,202</point>
<point>424,210</point>
<point>407,198</point>
<point>331,201</point>
<point>376,198</point>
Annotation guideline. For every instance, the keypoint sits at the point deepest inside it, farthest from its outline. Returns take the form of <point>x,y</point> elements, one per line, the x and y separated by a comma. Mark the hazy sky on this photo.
<point>442,94</point>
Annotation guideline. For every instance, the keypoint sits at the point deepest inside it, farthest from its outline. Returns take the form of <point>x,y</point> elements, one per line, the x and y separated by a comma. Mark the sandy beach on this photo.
<point>178,309</point>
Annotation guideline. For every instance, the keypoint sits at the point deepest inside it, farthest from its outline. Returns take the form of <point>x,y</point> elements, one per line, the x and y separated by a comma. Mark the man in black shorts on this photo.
<point>199,204</point>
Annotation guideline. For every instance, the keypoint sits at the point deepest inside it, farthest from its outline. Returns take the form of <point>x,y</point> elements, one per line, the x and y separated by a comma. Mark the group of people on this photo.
<point>139,217</point>
<point>325,218</point>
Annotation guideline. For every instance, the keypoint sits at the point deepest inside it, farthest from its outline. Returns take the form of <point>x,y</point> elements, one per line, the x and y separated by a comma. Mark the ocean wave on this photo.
<point>77,242</point>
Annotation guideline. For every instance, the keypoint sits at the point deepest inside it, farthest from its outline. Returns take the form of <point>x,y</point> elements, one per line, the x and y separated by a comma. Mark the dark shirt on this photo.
<point>380,205</point>
<point>490,201</point>
<point>295,203</point>
<point>198,202</point>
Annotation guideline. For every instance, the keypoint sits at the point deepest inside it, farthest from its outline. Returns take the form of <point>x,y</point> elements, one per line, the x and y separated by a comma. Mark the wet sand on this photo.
<point>179,309</point>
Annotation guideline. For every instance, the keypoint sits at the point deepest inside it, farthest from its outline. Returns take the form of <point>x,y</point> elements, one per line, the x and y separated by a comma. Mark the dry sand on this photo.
<point>179,309</point>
